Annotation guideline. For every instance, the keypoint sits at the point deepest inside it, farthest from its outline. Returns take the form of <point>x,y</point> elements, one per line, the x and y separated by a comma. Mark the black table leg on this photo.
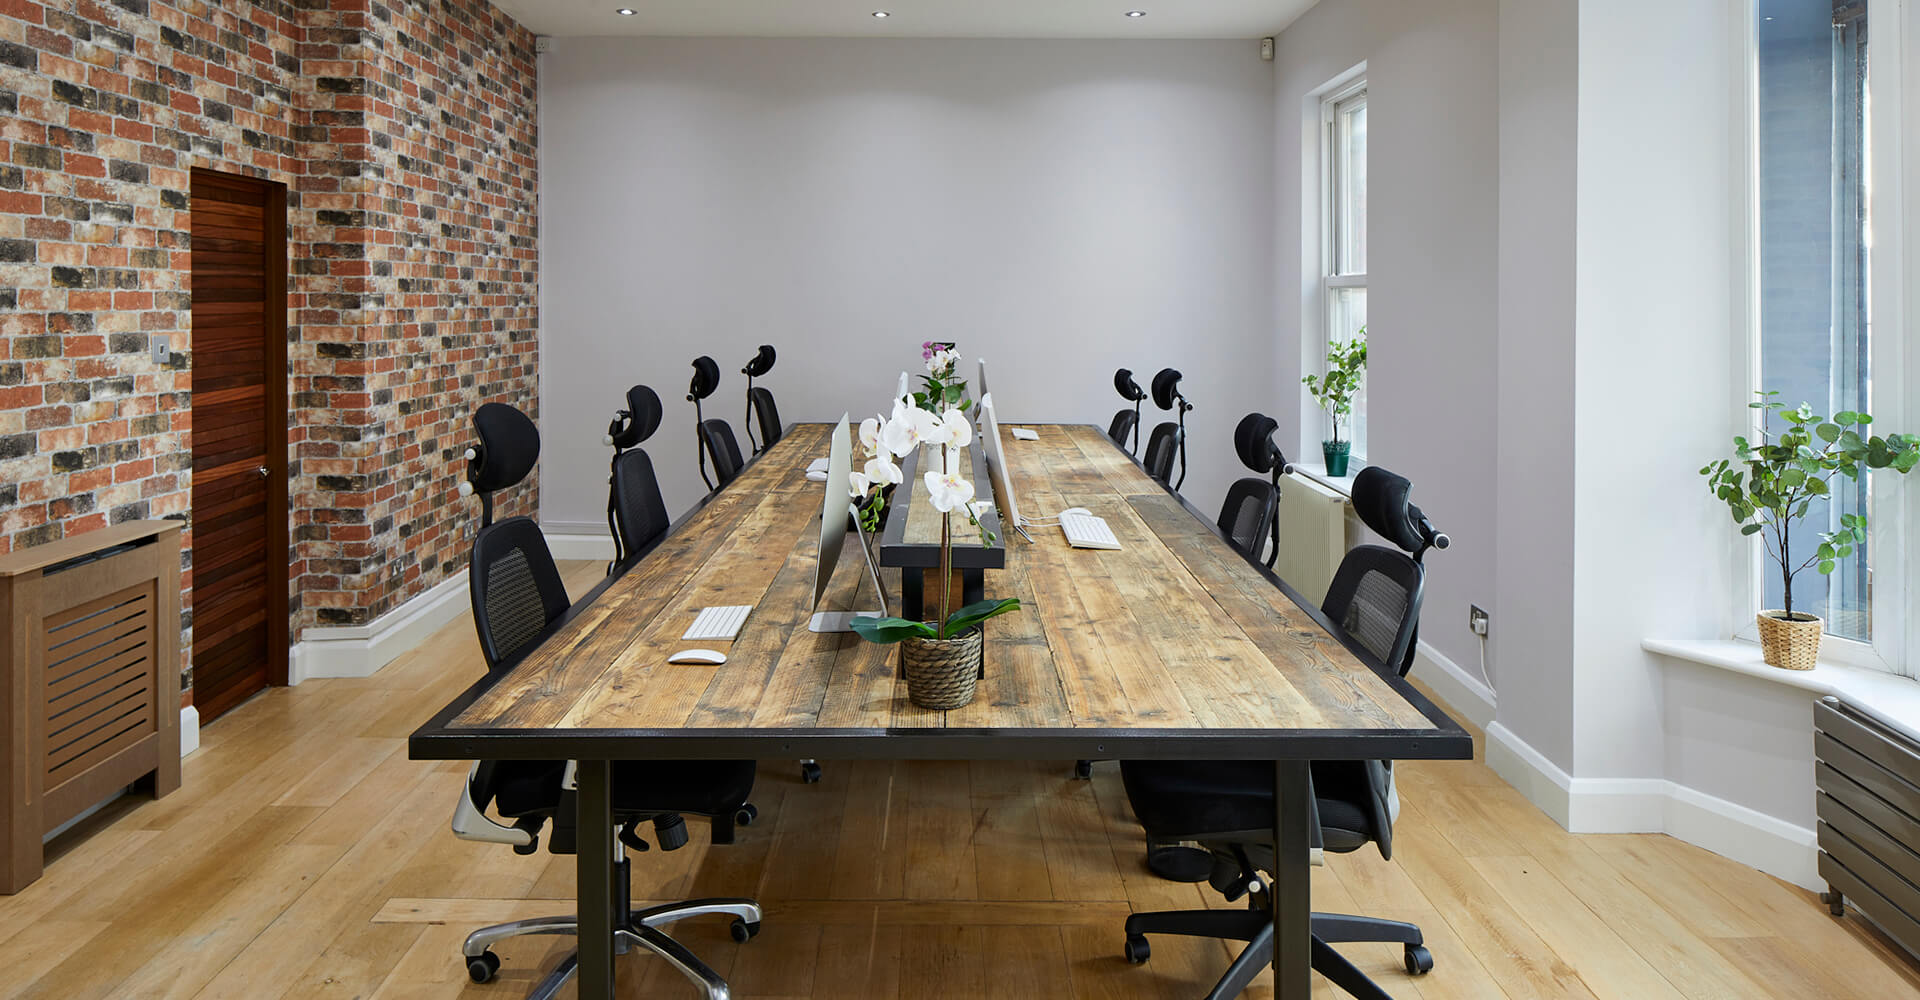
<point>594,845</point>
<point>973,586</point>
<point>1292,904</point>
<point>911,604</point>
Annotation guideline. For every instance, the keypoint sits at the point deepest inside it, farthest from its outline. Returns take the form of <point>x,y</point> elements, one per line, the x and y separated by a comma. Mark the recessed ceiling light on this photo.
<point>626,12</point>
<point>882,13</point>
<point>1136,13</point>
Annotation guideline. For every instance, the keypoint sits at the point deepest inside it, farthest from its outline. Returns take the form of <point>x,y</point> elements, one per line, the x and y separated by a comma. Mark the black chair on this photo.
<point>1169,439</point>
<point>1228,806</point>
<point>636,513</point>
<point>713,437</point>
<point>760,405</point>
<point>1250,517</point>
<point>1126,423</point>
<point>517,597</point>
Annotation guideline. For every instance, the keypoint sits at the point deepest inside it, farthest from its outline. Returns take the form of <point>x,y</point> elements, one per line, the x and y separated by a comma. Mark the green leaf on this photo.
<point>1828,432</point>
<point>1825,567</point>
<point>1751,529</point>
<point>977,612</point>
<point>1847,417</point>
<point>890,630</point>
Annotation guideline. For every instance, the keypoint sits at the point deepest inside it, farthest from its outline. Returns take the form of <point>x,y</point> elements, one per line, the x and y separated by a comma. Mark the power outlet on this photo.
<point>1477,619</point>
<point>161,354</point>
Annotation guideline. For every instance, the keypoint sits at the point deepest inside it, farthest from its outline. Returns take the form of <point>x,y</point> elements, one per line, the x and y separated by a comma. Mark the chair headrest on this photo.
<point>509,445</point>
<point>1380,498</point>
<point>638,421</point>
<point>1128,389</point>
<point>706,378</point>
<point>1166,386</point>
<point>761,363</point>
<point>1253,440</point>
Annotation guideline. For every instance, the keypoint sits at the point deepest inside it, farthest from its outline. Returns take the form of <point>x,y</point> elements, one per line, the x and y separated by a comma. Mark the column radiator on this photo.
<point>1867,773</point>
<point>1316,530</point>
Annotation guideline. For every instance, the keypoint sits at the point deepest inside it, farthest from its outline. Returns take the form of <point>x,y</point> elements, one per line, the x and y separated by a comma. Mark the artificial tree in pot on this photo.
<point>1346,369</point>
<point>1771,484</point>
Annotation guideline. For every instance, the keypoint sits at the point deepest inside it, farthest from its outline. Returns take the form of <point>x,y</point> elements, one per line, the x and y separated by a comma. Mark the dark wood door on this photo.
<point>239,439</point>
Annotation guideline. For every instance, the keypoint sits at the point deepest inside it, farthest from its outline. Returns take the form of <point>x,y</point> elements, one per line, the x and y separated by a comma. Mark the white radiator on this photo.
<point>1316,530</point>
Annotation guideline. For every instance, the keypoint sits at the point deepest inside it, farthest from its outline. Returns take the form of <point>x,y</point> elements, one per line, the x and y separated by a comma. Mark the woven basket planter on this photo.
<point>1790,645</point>
<point>941,673</point>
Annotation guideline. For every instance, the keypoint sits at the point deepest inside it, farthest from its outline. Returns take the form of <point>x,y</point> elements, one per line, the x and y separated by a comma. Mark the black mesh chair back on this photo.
<point>760,401</point>
<point>1162,445</point>
<point>723,448</point>
<point>1375,598</point>
<point>1122,427</point>
<point>639,512</point>
<point>515,589</point>
<point>1247,515</point>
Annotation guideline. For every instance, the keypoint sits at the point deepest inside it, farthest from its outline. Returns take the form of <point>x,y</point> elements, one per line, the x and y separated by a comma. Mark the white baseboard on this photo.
<point>360,650</point>
<point>1459,687</point>
<point>567,540</point>
<point>189,730</point>
<point>1655,805</point>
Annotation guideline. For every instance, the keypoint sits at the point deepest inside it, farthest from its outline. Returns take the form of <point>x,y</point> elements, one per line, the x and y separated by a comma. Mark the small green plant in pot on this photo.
<point>1770,484</point>
<point>1346,371</point>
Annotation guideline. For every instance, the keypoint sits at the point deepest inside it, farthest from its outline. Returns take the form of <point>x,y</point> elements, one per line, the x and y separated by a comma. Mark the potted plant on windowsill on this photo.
<point>1346,368</point>
<point>941,658</point>
<point>1770,484</point>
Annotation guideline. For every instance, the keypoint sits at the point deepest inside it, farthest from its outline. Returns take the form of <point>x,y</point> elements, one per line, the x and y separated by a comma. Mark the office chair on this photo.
<point>1228,806</point>
<point>1127,422</point>
<point>760,402</point>
<point>517,596</point>
<point>1250,517</point>
<point>636,513</point>
<point>713,437</point>
<point>1168,440</point>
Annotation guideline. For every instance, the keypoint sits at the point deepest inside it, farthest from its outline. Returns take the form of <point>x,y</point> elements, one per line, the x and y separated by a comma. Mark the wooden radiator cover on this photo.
<point>89,679</point>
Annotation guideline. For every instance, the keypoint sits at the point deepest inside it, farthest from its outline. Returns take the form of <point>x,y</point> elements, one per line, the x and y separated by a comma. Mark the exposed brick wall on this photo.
<point>405,134</point>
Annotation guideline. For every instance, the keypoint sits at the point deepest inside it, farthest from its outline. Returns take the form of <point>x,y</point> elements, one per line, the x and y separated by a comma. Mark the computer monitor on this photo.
<point>996,460</point>
<point>836,512</point>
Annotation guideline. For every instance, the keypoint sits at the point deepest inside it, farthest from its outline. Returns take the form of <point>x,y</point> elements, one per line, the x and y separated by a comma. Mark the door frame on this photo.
<point>274,329</point>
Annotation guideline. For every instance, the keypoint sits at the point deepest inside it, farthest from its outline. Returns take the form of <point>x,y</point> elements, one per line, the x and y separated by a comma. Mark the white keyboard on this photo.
<point>719,623</point>
<point>1023,434</point>
<point>1085,531</point>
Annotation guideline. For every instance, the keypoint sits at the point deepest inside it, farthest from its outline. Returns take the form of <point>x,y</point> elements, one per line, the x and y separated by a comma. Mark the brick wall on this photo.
<point>404,132</point>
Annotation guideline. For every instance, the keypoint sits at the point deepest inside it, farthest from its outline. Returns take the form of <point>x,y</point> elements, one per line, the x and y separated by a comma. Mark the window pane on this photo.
<point>1350,212</point>
<point>1813,190</point>
<point>1348,316</point>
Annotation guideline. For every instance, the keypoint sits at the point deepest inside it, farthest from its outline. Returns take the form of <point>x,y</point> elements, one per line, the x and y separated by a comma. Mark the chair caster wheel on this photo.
<point>1419,960</point>
<point>1083,769</point>
<point>810,772</point>
<point>1137,950</point>
<point>744,930</point>
<point>745,815</point>
<point>483,968</point>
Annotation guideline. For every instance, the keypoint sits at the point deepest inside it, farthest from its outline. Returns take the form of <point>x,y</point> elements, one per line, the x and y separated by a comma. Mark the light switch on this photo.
<point>161,354</point>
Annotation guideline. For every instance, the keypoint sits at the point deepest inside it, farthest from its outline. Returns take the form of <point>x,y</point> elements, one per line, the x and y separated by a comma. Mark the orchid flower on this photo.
<point>880,471</point>
<point>909,430</point>
<point>947,490</point>
<point>870,434</point>
<point>857,484</point>
<point>955,429</point>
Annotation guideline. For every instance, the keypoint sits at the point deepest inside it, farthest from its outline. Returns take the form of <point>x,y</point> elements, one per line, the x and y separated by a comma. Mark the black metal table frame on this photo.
<point>1292,752</point>
<point>971,561</point>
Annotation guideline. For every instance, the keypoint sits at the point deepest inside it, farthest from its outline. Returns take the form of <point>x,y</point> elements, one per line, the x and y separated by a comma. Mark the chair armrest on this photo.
<point>470,821</point>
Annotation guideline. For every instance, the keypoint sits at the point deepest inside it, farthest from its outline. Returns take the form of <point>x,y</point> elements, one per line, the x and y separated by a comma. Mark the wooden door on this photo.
<point>239,369</point>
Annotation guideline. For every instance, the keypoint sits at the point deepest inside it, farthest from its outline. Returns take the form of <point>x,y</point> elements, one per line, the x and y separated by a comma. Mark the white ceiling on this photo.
<point>910,18</point>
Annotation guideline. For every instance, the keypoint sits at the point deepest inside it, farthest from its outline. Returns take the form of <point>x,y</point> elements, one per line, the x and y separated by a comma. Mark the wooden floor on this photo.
<point>306,856</point>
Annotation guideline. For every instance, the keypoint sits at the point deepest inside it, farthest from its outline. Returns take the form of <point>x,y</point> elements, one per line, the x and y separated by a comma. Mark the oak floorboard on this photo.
<point>887,880</point>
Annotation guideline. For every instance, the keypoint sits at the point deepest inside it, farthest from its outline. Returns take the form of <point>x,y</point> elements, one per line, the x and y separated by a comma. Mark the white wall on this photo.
<point>1433,203</point>
<point>1060,208</point>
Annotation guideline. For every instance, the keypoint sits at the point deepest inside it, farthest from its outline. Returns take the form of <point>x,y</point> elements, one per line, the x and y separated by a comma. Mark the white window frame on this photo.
<point>1323,195</point>
<point>1893,163</point>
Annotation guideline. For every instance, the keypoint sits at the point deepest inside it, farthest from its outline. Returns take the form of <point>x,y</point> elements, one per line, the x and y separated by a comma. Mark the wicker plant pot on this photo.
<point>941,672</point>
<point>1790,644</point>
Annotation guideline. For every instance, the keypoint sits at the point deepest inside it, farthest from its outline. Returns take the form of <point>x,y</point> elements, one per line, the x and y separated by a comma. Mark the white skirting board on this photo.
<point>1460,687</point>
<point>569,540</point>
<point>1655,805</point>
<point>189,730</point>
<point>360,650</point>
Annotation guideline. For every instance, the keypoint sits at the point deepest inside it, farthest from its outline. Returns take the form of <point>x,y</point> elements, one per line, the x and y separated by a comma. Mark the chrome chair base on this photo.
<point>642,931</point>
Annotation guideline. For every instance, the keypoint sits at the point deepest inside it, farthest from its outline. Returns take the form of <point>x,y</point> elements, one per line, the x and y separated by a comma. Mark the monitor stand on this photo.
<point>842,621</point>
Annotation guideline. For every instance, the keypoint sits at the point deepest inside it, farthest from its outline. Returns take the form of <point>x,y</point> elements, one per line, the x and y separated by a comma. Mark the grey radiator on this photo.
<point>1868,801</point>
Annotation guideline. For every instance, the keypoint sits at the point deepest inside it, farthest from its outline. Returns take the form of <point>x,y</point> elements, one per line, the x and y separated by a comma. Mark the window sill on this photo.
<point>1317,471</point>
<point>1892,697</point>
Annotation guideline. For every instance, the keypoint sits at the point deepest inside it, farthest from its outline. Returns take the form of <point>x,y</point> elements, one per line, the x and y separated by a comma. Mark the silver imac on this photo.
<point>996,460</point>
<point>836,511</point>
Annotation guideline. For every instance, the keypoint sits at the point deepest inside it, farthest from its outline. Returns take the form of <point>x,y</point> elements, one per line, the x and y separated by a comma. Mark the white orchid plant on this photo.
<point>934,418</point>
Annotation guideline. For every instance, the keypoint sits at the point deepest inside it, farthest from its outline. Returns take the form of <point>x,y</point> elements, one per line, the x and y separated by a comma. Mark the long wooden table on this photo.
<point>1173,647</point>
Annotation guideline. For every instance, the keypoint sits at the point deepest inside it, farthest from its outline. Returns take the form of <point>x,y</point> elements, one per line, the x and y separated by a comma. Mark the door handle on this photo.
<point>262,470</point>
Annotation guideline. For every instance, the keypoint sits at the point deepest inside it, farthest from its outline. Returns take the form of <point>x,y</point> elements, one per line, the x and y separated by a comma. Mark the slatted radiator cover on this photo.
<point>1867,773</point>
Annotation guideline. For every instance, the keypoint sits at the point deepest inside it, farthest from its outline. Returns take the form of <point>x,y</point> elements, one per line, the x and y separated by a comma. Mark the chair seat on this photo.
<point>1199,800</point>
<point>697,787</point>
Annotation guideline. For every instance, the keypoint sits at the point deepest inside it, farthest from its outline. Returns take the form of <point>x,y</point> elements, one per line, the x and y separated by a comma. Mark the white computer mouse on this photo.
<point>1076,510</point>
<point>709,656</point>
